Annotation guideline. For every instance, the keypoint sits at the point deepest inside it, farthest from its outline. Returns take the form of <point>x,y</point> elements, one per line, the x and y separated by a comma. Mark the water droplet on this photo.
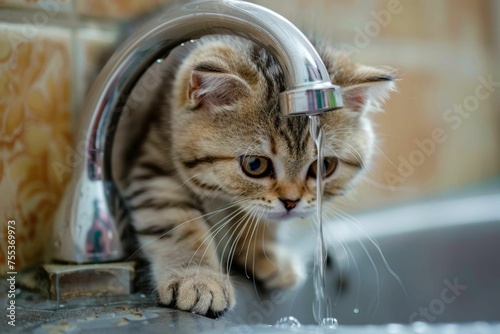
<point>142,295</point>
<point>394,328</point>
<point>419,327</point>
<point>192,41</point>
<point>182,44</point>
<point>287,322</point>
<point>18,291</point>
<point>450,328</point>
<point>57,243</point>
<point>356,310</point>
<point>330,323</point>
<point>159,60</point>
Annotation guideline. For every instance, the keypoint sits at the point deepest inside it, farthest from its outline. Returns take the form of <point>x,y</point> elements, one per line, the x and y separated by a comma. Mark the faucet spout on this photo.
<point>85,231</point>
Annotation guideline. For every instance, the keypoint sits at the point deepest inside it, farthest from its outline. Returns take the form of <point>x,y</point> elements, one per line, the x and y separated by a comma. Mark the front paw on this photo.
<point>200,290</point>
<point>279,271</point>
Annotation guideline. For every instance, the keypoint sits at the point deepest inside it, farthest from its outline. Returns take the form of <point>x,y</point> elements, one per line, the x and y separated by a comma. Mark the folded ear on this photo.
<point>216,91</point>
<point>370,88</point>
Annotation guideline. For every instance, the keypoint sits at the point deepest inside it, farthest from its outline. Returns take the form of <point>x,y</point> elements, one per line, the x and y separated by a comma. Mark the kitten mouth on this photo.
<point>285,215</point>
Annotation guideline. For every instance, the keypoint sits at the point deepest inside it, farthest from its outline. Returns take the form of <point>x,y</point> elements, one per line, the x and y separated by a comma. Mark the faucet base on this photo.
<point>65,281</point>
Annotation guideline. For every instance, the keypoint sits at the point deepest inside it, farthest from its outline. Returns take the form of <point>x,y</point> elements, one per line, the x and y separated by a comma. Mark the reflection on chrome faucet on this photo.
<point>98,239</point>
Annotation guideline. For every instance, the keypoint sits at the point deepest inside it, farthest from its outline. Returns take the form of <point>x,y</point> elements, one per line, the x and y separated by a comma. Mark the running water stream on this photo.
<point>321,308</point>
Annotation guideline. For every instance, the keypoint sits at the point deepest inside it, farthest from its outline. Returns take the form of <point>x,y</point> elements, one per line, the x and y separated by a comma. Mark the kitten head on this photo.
<point>231,141</point>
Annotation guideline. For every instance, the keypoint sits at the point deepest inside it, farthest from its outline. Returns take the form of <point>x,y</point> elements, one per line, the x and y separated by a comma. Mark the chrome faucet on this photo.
<point>84,230</point>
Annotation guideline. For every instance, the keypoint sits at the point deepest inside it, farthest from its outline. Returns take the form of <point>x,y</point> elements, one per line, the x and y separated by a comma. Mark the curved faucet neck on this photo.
<point>309,92</point>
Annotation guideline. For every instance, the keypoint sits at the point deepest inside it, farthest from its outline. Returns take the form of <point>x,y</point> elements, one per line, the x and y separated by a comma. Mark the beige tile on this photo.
<point>329,19</point>
<point>425,145</point>
<point>35,112</point>
<point>116,9</point>
<point>472,20</point>
<point>426,19</point>
<point>47,7</point>
<point>93,47</point>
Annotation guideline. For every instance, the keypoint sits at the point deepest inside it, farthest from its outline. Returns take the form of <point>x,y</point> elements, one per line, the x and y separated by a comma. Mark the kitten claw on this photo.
<point>199,290</point>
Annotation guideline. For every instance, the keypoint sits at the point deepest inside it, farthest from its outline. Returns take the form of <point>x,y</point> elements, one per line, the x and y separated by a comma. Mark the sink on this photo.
<point>435,261</point>
<point>440,264</point>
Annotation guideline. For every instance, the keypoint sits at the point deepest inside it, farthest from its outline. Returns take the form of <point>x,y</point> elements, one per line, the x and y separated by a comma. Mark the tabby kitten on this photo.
<point>217,136</point>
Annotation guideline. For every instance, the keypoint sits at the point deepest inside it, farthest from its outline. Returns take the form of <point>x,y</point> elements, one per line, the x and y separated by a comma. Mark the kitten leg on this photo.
<point>176,240</point>
<point>257,250</point>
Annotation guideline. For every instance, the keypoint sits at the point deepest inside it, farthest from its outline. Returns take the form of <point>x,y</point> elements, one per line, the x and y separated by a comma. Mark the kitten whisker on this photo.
<point>356,224</point>
<point>254,257</point>
<point>378,149</point>
<point>232,249</point>
<point>376,299</point>
<point>187,181</point>
<point>249,243</point>
<point>212,236</point>
<point>329,220</point>
<point>330,225</point>
<point>221,222</point>
<point>382,186</point>
<point>357,155</point>
<point>250,147</point>
<point>225,257</point>
<point>266,223</point>
<point>210,214</point>
<point>234,226</point>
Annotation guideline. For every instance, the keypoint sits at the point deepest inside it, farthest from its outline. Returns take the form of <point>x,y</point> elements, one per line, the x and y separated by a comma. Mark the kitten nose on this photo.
<point>289,203</point>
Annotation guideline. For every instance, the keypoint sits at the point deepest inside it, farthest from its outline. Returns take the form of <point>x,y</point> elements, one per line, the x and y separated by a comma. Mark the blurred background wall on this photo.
<point>440,132</point>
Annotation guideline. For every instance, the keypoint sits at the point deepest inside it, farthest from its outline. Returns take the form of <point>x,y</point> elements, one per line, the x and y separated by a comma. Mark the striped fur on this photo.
<point>217,102</point>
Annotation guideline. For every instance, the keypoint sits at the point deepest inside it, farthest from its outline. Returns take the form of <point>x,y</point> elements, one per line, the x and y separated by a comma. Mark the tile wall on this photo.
<point>50,51</point>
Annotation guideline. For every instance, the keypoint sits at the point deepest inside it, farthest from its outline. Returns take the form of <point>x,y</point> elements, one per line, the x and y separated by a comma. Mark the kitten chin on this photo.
<point>283,216</point>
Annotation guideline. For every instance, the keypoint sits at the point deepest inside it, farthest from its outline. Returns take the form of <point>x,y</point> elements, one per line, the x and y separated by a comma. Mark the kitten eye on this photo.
<point>255,166</point>
<point>329,166</point>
